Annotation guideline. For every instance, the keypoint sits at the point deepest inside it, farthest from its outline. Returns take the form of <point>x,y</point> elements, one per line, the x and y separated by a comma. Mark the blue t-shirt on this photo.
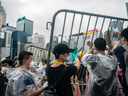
<point>119,54</point>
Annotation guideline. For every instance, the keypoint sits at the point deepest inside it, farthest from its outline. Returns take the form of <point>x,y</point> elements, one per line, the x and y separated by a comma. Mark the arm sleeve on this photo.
<point>40,70</point>
<point>118,54</point>
<point>72,70</point>
<point>86,59</point>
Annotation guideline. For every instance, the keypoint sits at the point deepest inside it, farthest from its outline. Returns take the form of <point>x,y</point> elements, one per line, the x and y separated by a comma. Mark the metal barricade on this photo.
<point>85,21</point>
<point>38,53</point>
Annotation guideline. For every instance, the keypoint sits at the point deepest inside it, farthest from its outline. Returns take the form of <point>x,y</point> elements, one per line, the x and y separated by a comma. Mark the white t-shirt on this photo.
<point>40,65</point>
<point>40,70</point>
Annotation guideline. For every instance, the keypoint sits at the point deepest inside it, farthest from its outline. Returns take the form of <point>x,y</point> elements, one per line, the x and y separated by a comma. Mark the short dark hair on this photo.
<point>8,61</point>
<point>100,44</point>
<point>124,34</point>
<point>57,56</point>
<point>24,55</point>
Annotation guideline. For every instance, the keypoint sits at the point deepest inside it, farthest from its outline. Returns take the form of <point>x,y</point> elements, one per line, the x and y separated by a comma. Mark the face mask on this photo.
<point>17,62</point>
<point>106,52</point>
<point>5,70</point>
<point>31,65</point>
<point>67,58</point>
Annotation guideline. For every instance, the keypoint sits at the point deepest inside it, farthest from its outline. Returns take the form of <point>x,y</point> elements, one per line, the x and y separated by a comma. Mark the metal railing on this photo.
<point>105,19</point>
<point>106,25</point>
<point>38,53</point>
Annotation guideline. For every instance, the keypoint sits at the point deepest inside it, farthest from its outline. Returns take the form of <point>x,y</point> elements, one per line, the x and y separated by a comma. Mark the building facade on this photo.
<point>81,39</point>
<point>5,44</point>
<point>54,43</point>
<point>17,36</point>
<point>127,8</point>
<point>2,12</point>
<point>25,25</point>
<point>6,27</point>
<point>36,38</point>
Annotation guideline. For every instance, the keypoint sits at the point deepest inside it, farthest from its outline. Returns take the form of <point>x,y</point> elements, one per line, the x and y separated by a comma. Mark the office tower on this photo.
<point>2,12</point>
<point>127,8</point>
<point>6,27</point>
<point>36,38</point>
<point>5,44</point>
<point>2,16</point>
<point>17,36</point>
<point>81,39</point>
<point>25,25</point>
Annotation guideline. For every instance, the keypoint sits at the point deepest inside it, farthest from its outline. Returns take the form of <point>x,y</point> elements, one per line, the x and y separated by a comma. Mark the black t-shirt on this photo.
<point>63,87</point>
<point>3,84</point>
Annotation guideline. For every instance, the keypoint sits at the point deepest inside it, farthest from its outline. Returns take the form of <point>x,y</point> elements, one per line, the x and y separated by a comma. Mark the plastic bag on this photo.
<point>102,75</point>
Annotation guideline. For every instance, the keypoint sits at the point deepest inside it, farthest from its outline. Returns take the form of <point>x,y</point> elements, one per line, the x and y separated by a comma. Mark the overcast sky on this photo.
<point>41,11</point>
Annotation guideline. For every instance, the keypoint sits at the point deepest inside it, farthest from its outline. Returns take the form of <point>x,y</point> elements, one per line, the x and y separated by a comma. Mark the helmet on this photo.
<point>81,54</point>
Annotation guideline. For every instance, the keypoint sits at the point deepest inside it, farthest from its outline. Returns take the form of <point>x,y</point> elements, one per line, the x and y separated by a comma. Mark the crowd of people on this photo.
<point>104,72</point>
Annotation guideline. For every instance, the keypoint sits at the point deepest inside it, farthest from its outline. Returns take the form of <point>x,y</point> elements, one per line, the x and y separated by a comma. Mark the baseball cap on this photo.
<point>61,49</point>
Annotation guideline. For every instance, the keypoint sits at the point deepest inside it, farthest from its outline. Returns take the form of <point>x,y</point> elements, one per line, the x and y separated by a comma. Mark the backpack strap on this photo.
<point>125,46</point>
<point>60,76</point>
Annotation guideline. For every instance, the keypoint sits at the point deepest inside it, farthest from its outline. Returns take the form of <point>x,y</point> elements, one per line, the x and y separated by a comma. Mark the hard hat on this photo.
<point>81,54</point>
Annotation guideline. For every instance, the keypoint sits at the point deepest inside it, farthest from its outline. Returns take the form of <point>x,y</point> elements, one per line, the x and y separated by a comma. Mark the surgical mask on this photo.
<point>68,58</point>
<point>106,52</point>
<point>17,62</point>
<point>5,70</point>
<point>31,65</point>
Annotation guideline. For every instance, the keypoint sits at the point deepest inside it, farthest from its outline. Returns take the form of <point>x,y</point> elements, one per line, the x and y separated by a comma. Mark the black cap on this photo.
<point>61,49</point>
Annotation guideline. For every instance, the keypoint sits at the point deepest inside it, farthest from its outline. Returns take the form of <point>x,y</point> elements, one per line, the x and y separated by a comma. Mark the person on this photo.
<point>118,51</point>
<point>81,75</point>
<point>21,81</point>
<point>61,52</point>
<point>42,68</point>
<point>102,71</point>
<point>41,64</point>
<point>5,66</point>
<point>16,62</point>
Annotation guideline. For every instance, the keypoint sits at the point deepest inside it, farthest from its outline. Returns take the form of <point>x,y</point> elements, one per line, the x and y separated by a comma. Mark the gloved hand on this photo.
<point>74,54</point>
<point>45,85</point>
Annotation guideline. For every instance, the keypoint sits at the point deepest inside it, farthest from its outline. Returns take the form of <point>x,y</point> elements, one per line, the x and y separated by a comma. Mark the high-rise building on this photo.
<point>2,16</point>
<point>1,21</point>
<point>17,36</point>
<point>25,25</point>
<point>54,43</point>
<point>6,27</point>
<point>55,39</point>
<point>81,39</point>
<point>2,12</point>
<point>36,38</point>
<point>127,8</point>
<point>5,44</point>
